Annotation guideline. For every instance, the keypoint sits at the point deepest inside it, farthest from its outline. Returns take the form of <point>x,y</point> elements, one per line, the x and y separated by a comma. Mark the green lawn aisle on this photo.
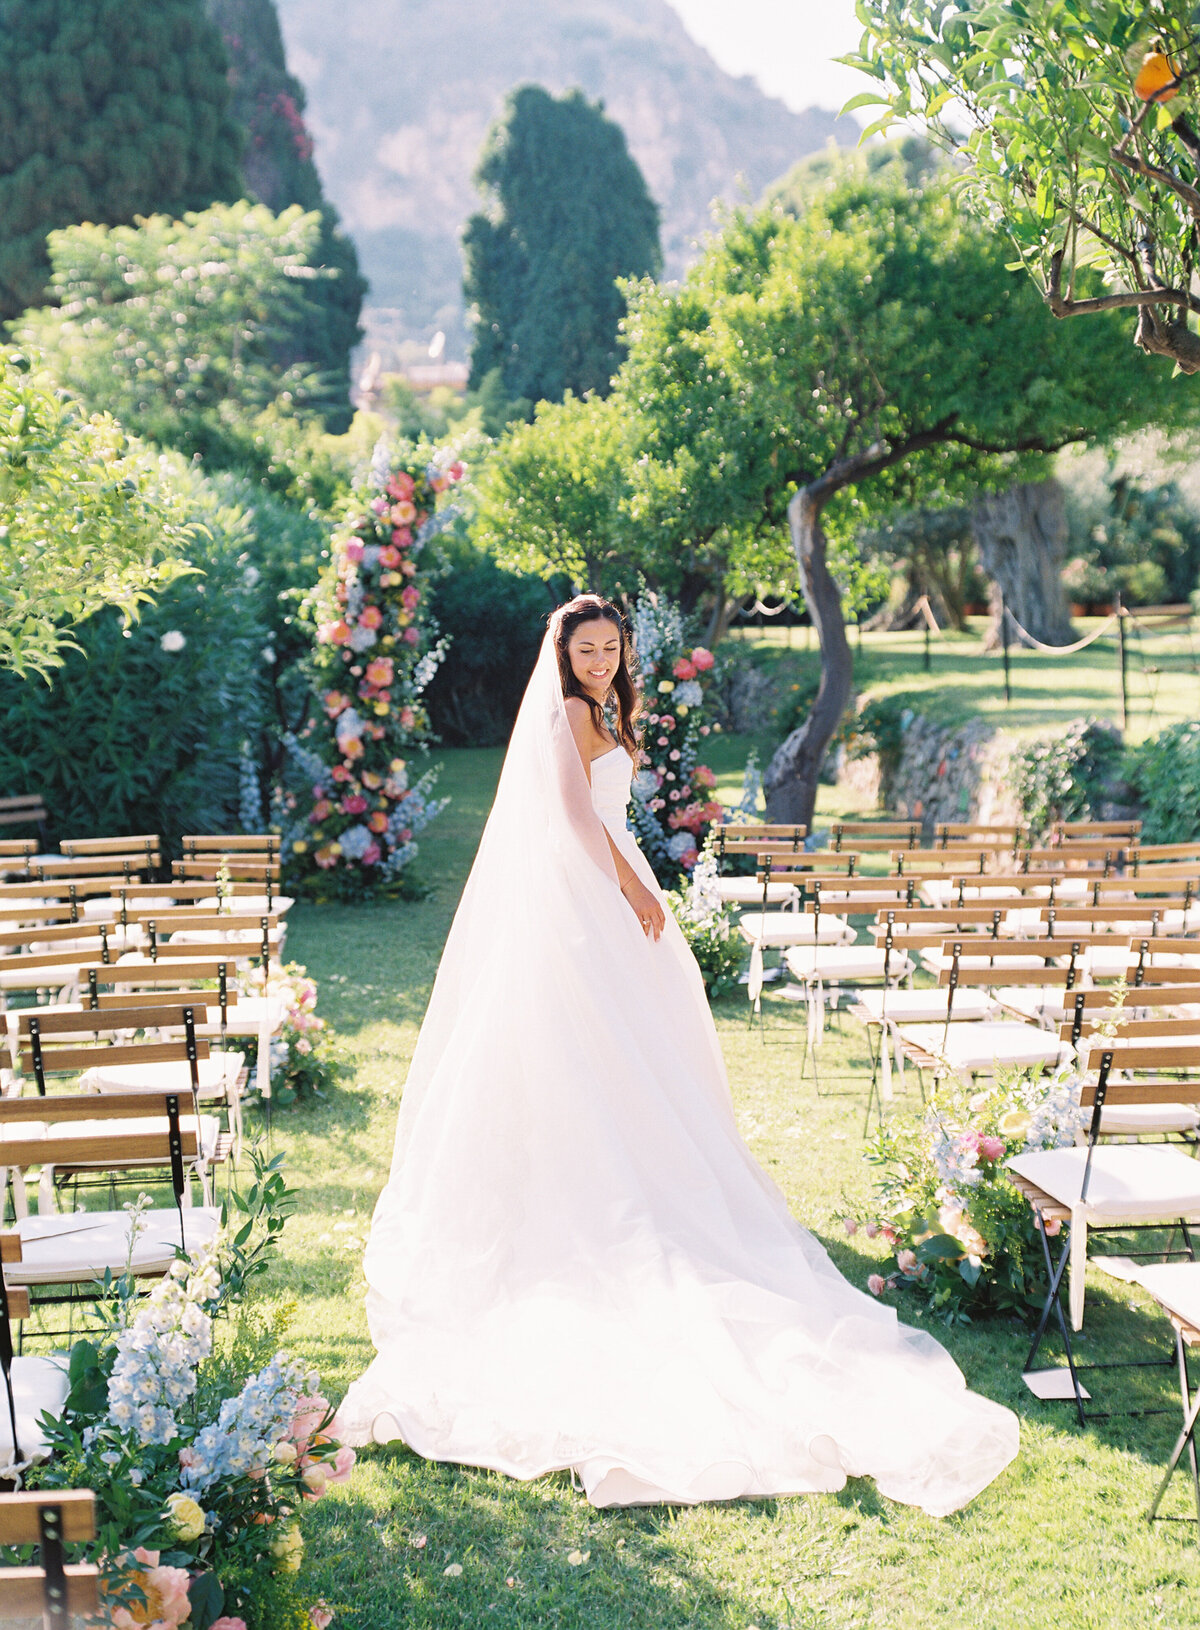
<point>1058,1543</point>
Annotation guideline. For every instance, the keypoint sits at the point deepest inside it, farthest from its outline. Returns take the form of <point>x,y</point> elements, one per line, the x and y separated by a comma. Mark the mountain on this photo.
<point>401,94</point>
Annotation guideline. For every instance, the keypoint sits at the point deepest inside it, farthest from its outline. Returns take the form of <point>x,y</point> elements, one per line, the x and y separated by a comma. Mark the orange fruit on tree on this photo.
<point>1156,76</point>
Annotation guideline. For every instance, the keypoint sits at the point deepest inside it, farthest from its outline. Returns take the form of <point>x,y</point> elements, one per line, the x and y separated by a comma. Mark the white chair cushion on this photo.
<point>748,891</point>
<point>1144,1120</point>
<point>794,928</point>
<point>218,1075</point>
<point>844,962</point>
<point>77,1248</point>
<point>1130,1181</point>
<point>255,904</point>
<point>1176,1285</point>
<point>914,1006</point>
<point>983,1046</point>
<point>40,1387</point>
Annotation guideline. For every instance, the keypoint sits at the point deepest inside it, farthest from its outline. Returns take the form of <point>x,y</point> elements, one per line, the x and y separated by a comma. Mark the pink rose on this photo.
<point>666,722</point>
<point>455,472</point>
<point>888,1233</point>
<point>400,486</point>
<point>702,659</point>
<point>684,669</point>
<point>370,617</point>
<point>343,1464</point>
<point>872,1229</point>
<point>991,1148</point>
<point>402,537</point>
<point>875,1284</point>
<point>371,855</point>
<point>390,556</point>
<point>411,598</point>
<point>356,804</point>
<point>379,505</point>
<point>228,1621</point>
<point>906,1261</point>
<point>411,636</point>
<point>354,550</point>
<point>850,1225</point>
<point>319,1616</point>
<point>403,513</point>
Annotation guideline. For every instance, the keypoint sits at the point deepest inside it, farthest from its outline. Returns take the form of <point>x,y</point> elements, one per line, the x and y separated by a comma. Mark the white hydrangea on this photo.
<point>689,693</point>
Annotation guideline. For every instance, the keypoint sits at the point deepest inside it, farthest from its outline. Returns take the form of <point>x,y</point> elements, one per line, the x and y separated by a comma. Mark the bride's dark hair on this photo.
<point>590,608</point>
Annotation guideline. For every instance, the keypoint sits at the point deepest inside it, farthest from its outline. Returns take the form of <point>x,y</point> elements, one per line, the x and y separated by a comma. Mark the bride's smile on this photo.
<point>594,651</point>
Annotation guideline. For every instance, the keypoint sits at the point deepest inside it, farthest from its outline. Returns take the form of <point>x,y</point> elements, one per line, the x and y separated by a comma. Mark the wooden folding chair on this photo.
<point>26,809</point>
<point>239,858</point>
<point>56,1590</point>
<point>874,835</point>
<point>94,1046</point>
<point>65,1257</point>
<point>1067,832</point>
<point>1124,1187</point>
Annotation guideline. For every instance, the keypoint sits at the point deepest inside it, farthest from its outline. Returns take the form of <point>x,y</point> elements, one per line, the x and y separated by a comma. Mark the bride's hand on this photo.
<point>646,908</point>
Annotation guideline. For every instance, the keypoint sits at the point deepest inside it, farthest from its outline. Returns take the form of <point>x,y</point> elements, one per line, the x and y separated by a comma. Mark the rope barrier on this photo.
<point>1060,650</point>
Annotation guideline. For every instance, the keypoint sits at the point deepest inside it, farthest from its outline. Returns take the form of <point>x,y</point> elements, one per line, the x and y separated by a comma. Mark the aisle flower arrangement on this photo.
<point>961,1236</point>
<point>673,802</point>
<point>707,926</point>
<point>304,1061</point>
<point>204,1447</point>
<point>354,831</point>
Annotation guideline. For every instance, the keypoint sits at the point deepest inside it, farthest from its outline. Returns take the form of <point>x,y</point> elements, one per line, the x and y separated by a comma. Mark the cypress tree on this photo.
<point>569,213</point>
<point>268,102</point>
<point>108,109</point>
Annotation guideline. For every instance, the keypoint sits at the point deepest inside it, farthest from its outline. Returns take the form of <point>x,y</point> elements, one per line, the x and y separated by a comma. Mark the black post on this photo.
<point>1004,646</point>
<point>1123,662</point>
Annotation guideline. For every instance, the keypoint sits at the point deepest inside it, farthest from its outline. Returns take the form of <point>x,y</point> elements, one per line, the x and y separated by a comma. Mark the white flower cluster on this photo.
<point>381,464</point>
<point>243,1436</point>
<point>688,693</point>
<point>1055,1114</point>
<point>705,905</point>
<point>751,805</point>
<point>155,1368</point>
<point>657,626</point>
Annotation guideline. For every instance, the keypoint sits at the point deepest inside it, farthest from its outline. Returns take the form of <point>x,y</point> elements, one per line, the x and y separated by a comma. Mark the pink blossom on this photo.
<point>888,1234</point>
<point>850,1225</point>
<point>704,729</point>
<point>875,1284</point>
<point>662,741</point>
<point>228,1621</point>
<point>379,505</point>
<point>309,1417</point>
<point>371,855</point>
<point>390,556</point>
<point>991,1148</point>
<point>906,1261</point>
<point>673,755</point>
<point>872,1229</point>
<point>400,486</point>
<point>402,537</point>
<point>320,1616</point>
<point>339,773</point>
<point>187,1457</point>
<point>455,472</point>
<point>354,550</point>
<point>1051,1225</point>
<point>356,804</point>
<point>370,617</point>
<point>702,658</point>
<point>343,1464</point>
<point>411,636</point>
<point>666,722</point>
<point>410,598</point>
<point>684,669</point>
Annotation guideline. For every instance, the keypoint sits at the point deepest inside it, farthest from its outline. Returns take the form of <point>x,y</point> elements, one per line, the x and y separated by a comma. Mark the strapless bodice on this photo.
<point>612,774</point>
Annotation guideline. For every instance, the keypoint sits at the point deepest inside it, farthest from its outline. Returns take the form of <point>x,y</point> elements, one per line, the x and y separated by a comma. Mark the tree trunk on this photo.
<point>1022,540</point>
<point>718,623</point>
<point>791,778</point>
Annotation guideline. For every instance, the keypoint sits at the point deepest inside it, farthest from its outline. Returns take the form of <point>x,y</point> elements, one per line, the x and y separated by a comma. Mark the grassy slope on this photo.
<point>1058,1543</point>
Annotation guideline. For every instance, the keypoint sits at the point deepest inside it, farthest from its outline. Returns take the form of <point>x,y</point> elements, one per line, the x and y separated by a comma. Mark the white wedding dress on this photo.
<point>577,1261</point>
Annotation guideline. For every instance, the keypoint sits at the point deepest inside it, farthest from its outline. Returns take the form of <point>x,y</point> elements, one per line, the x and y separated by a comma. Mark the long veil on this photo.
<point>576,1260</point>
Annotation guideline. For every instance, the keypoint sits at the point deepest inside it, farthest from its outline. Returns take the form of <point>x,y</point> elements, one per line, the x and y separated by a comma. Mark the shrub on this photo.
<point>492,620</point>
<point>1165,771</point>
<point>150,728</point>
<point>1062,777</point>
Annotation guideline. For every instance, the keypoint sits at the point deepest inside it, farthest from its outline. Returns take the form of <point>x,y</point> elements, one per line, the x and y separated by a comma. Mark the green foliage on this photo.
<point>268,103</point>
<point>176,325</point>
<point>1165,770</point>
<point>1138,538</point>
<point>445,412</point>
<point>109,109</point>
<point>147,727</point>
<point>719,951</point>
<point>84,523</point>
<point>493,619</point>
<point>1085,176</point>
<point>568,214</point>
<point>1062,777</point>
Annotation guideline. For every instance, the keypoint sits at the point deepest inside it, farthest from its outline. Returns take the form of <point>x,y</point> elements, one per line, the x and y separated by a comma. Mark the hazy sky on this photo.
<point>785,44</point>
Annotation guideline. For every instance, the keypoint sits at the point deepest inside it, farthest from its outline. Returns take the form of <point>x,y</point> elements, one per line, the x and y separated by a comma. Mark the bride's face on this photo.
<point>594,652</point>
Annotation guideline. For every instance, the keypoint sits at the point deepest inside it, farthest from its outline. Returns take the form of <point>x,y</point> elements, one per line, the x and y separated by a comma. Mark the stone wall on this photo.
<point>943,774</point>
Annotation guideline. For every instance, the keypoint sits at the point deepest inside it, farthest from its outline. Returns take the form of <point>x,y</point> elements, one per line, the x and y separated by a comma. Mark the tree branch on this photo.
<point>1157,296</point>
<point>1151,172</point>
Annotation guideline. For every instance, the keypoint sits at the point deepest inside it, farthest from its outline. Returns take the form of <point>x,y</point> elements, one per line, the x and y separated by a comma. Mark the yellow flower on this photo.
<point>299,847</point>
<point>382,709</point>
<point>185,1517</point>
<point>288,1549</point>
<point>1013,1124</point>
<point>666,686</point>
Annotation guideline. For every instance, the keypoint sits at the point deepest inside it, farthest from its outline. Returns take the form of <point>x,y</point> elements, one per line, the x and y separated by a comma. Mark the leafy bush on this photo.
<point>492,619</point>
<point>1165,770</point>
<point>151,728</point>
<point>1062,777</point>
<point>878,728</point>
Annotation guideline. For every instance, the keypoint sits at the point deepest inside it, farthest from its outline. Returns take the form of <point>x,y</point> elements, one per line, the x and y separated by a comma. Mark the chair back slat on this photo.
<point>19,1523</point>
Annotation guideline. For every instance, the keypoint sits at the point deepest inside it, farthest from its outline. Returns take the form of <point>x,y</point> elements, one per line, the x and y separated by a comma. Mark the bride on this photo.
<point>577,1261</point>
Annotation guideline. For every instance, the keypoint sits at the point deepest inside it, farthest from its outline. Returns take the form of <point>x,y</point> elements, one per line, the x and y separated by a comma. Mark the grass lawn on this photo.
<point>1059,1542</point>
<point>1163,681</point>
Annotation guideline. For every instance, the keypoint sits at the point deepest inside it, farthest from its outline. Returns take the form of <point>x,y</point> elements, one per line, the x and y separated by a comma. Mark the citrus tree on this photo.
<point>84,521</point>
<point>1076,124</point>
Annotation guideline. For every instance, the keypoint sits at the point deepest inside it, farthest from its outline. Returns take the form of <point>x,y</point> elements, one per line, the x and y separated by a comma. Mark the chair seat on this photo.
<point>1110,962</point>
<point>40,1387</point>
<point>1133,1182</point>
<point>105,909</point>
<point>748,891</point>
<point>80,1247</point>
<point>915,1006</point>
<point>1176,1287</point>
<point>218,1076</point>
<point>831,962</point>
<point>248,1017</point>
<point>939,891</point>
<point>973,962</point>
<point>985,1045</point>
<point>1039,1003</point>
<point>62,974</point>
<point>794,928</point>
<point>1145,1120</point>
<point>254,904</point>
